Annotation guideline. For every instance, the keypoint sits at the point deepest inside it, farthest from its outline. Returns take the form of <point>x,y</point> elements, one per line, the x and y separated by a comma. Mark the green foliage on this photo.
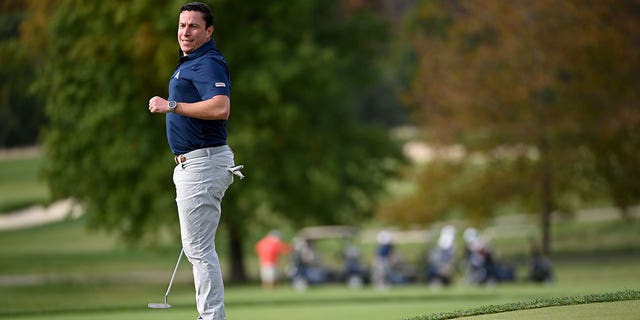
<point>103,148</point>
<point>297,78</point>
<point>21,112</point>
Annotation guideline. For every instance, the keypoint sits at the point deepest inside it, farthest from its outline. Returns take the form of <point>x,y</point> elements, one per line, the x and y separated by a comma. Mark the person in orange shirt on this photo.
<point>269,250</point>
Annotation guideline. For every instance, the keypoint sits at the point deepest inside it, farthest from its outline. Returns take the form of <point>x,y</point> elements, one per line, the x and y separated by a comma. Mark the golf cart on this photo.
<point>326,254</point>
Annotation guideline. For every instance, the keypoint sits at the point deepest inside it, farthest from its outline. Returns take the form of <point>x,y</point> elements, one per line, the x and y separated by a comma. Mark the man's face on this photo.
<point>192,31</point>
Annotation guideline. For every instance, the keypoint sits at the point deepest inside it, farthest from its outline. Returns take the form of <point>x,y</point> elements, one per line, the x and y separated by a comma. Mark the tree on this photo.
<point>297,78</point>
<point>298,83</point>
<point>101,147</point>
<point>21,111</point>
<point>512,83</point>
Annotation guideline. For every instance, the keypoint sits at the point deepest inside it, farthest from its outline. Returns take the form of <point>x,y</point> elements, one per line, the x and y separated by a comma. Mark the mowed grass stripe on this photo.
<point>618,310</point>
<point>623,295</point>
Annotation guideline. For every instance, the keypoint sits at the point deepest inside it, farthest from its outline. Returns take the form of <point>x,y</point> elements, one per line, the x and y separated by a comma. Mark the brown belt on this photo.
<point>179,159</point>
<point>198,153</point>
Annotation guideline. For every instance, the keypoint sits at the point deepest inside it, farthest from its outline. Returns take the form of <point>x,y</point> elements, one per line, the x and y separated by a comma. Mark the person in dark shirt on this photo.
<point>196,111</point>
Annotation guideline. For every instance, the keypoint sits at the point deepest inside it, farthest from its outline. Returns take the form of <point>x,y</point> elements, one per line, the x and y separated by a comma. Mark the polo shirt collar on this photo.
<point>200,51</point>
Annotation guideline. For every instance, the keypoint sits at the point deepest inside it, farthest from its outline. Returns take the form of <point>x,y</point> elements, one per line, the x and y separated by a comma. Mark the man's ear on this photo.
<point>210,30</point>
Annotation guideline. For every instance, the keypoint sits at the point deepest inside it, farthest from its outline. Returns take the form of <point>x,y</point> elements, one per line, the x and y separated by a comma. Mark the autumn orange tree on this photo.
<point>540,95</point>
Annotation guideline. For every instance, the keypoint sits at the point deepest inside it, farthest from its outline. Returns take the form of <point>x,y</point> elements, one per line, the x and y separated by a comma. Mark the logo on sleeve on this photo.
<point>177,76</point>
<point>220,84</point>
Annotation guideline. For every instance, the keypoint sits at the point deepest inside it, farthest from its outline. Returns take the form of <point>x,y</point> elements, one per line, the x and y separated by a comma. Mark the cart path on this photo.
<point>40,215</point>
<point>69,209</point>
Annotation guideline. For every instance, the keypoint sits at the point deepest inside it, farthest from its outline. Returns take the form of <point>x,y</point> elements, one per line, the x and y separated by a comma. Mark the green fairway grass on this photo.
<point>100,300</point>
<point>69,248</point>
<point>20,185</point>
<point>535,304</point>
<point>621,310</point>
<point>66,271</point>
<point>325,303</point>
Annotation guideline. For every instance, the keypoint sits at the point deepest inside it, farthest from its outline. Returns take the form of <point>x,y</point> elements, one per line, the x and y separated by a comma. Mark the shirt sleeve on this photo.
<point>212,78</point>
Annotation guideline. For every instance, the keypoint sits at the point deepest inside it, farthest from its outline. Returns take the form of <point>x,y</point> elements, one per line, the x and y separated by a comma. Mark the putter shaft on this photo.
<point>166,305</point>
<point>173,275</point>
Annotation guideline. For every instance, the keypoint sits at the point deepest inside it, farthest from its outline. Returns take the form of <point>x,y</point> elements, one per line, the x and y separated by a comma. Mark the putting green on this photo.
<point>621,310</point>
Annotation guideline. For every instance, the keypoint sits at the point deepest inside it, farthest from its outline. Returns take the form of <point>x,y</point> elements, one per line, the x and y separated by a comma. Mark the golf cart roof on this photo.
<point>324,232</point>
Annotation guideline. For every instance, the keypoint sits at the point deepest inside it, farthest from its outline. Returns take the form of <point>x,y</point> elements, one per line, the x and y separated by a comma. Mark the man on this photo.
<point>196,116</point>
<point>269,250</point>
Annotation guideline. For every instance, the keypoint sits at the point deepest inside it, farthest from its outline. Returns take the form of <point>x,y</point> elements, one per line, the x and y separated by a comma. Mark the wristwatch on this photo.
<point>172,106</point>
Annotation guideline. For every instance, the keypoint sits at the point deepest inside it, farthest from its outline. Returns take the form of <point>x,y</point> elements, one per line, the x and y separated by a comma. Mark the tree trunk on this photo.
<point>625,213</point>
<point>546,199</point>
<point>546,226</point>
<point>236,254</point>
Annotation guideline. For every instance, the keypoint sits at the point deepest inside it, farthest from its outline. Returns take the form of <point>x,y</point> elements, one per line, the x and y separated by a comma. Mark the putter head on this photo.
<point>158,306</point>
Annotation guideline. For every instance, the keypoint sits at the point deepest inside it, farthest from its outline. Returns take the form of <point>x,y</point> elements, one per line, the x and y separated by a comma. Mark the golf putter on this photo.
<point>166,305</point>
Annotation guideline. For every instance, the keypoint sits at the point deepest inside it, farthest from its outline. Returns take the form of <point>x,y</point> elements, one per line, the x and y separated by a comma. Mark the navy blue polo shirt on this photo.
<point>199,76</point>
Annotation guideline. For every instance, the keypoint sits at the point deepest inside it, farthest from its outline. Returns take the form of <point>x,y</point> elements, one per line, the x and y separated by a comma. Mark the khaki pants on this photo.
<point>200,185</point>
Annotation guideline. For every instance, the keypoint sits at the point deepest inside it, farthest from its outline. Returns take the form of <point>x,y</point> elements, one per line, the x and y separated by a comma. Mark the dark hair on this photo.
<point>207,15</point>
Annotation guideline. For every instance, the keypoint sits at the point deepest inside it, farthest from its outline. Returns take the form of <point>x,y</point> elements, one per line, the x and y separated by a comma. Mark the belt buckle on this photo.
<point>179,159</point>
